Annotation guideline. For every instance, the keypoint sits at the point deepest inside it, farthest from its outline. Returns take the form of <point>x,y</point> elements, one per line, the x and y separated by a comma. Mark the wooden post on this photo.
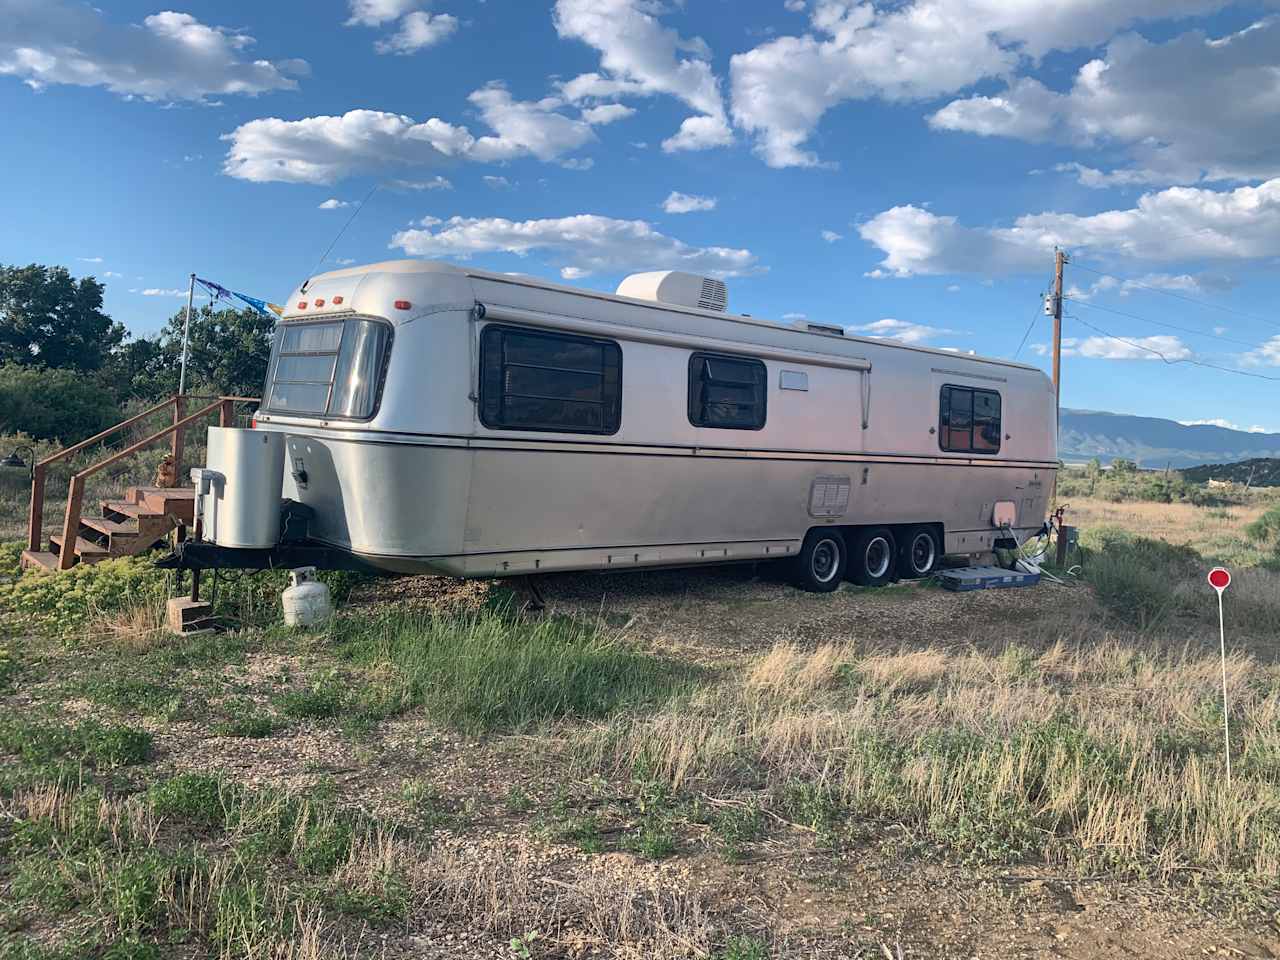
<point>1059,258</point>
<point>179,437</point>
<point>35,518</point>
<point>71,524</point>
<point>227,413</point>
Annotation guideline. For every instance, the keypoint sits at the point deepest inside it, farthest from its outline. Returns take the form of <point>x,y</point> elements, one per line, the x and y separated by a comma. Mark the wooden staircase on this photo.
<point>135,524</point>
<point>144,517</point>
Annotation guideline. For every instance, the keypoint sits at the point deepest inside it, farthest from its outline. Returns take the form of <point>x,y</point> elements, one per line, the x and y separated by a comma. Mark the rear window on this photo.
<point>329,369</point>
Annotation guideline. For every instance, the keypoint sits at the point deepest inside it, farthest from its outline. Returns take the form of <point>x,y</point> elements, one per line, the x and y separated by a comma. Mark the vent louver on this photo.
<point>715,295</point>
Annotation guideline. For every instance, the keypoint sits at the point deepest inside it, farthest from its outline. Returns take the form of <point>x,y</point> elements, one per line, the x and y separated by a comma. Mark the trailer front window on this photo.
<point>327,369</point>
<point>969,420</point>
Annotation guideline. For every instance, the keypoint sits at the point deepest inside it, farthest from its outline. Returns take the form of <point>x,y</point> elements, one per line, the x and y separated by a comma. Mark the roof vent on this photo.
<point>677,288</point>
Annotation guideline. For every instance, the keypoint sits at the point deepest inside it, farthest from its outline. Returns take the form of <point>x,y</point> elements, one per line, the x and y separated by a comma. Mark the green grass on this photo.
<point>490,671</point>
<point>88,742</point>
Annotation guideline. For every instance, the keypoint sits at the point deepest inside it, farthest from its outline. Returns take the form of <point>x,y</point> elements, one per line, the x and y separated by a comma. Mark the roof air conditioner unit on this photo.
<point>677,288</point>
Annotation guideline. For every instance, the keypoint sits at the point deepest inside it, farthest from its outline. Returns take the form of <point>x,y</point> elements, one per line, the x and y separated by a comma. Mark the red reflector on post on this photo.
<point>302,304</point>
<point>320,302</point>
<point>402,304</point>
<point>336,301</point>
<point>253,423</point>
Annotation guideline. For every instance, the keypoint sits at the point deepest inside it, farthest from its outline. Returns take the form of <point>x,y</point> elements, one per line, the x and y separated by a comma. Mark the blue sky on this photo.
<point>903,169</point>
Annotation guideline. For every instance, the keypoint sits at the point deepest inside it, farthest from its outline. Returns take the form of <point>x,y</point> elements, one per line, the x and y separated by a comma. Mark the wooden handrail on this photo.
<point>63,454</point>
<point>103,464</point>
<point>75,493</point>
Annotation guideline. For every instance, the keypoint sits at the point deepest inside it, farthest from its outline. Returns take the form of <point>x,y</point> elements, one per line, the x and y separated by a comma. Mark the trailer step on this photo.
<point>963,579</point>
<point>38,560</point>
<point>112,528</point>
<point>86,550</point>
<point>125,508</point>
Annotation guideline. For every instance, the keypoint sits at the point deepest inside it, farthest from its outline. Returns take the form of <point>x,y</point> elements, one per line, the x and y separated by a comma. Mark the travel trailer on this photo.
<point>436,418</point>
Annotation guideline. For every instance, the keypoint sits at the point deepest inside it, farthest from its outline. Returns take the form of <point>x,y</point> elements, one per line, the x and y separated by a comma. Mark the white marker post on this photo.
<point>1220,579</point>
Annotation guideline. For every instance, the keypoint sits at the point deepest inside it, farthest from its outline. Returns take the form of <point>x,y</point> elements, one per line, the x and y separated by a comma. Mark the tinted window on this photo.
<point>969,420</point>
<point>531,380</point>
<point>726,392</point>
<point>328,369</point>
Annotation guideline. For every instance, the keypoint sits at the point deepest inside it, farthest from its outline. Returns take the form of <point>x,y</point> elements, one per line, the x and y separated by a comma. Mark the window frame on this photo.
<point>696,359</point>
<point>283,326</point>
<point>944,409</point>
<point>611,407</point>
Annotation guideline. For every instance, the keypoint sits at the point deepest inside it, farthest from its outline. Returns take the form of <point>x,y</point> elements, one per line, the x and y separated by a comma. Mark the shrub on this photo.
<point>62,405</point>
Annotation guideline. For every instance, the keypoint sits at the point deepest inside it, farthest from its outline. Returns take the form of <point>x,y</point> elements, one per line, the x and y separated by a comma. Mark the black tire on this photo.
<point>873,556</point>
<point>819,567</point>
<point>919,553</point>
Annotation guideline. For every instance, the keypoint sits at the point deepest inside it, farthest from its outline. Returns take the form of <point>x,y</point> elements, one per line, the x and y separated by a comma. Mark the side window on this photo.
<point>969,420</point>
<point>727,392</point>
<point>537,380</point>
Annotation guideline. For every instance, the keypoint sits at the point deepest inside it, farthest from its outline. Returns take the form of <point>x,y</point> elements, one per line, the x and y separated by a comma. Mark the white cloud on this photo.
<point>169,56</point>
<point>89,259</point>
<point>641,57</point>
<point>1180,223</point>
<point>497,183</point>
<point>161,292</point>
<point>111,273</point>
<point>325,149</point>
<point>1266,355</point>
<point>573,273</point>
<point>374,13</point>
<point>345,261</point>
<point>1190,108</point>
<point>607,113</point>
<point>418,30</point>
<point>831,236</point>
<point>589,242</point>
<point>333,203</point>
<point>578,163</point>
<point>1163,347</point>
<point>1173,282</point>
<point>435,183</point>
<point>794,6</point>
<point>953,288</point>
<point>678,202</point>
<point>1226,424</point>
<point>909,51</point>
<point>901,330</point>
<point>795,317</point>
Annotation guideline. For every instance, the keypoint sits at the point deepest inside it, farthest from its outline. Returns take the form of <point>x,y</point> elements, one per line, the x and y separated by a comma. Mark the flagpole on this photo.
<point>186,333</point>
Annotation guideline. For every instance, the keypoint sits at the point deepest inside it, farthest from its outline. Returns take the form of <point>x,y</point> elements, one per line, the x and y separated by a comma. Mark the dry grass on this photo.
<point>1105,755</point>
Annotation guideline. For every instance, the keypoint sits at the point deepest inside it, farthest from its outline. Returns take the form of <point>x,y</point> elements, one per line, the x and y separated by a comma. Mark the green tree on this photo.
<point>228,354</point>
<point>50,319</point>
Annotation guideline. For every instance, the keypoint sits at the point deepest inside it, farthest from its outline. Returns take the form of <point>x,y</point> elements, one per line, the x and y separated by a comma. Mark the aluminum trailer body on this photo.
<point>449,420</point>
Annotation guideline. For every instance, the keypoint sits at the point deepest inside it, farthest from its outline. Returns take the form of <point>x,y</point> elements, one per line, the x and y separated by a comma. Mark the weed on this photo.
<point>193,796</point>
<point>517,800</point>
<point>744,947</point>
<point>735,825</point>
<point>426,803</point>
<point>134,695</point>
<point>245,720</point>
<point>321,701</point>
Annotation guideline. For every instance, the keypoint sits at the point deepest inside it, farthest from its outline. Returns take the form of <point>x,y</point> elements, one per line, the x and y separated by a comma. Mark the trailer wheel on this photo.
<point>819,567</point>
<point>873,557</point>
<point>919,553</point>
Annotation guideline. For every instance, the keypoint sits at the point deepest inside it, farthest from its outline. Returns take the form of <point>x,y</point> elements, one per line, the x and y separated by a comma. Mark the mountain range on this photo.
<point>1154,443</point>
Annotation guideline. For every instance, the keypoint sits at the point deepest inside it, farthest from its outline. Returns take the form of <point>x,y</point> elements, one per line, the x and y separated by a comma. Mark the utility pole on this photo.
<point>1059,259</point>
<point>186,335</point>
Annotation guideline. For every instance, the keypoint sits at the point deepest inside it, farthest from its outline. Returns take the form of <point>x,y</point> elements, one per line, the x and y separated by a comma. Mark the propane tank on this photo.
<point>306,600</point>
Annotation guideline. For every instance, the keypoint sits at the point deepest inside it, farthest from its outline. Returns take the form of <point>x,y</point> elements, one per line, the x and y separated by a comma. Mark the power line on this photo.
<point>1175,360</point>
<point>1178,296</point>
<point>1030,327</point>
<point>1160,323</point>
<point>329,249</point>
